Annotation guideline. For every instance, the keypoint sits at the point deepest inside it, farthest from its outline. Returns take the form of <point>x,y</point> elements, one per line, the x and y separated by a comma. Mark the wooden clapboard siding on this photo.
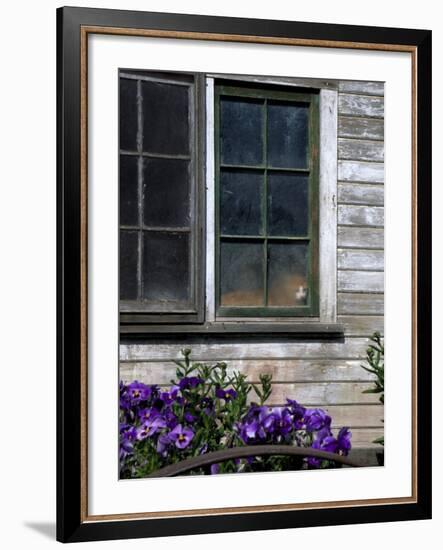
<point>360,171</point>
<point>282,370</point>
<point>353,348</point>
<point>360,128</point>
<point>360,237</point>
<point>359,325</point>
<point>360,281</point>
<point>362,438</point>
<point>367,150</point>
<point>360,215</point>
<point>369,260</point>
<point>362,87</point>
<point>321,373</point>
<point>359,303</point>
<point>360,194</point>
<point>360,105</point>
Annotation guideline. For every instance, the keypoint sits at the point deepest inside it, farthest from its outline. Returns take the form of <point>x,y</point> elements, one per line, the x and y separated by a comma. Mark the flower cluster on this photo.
<point>205,410</point>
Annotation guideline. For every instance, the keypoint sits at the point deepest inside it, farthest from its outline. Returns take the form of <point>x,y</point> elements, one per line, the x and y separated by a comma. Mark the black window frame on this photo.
<point>139,312</point>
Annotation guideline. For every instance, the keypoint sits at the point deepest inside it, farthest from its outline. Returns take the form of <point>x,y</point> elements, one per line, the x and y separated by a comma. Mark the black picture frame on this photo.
<point>72,525</point>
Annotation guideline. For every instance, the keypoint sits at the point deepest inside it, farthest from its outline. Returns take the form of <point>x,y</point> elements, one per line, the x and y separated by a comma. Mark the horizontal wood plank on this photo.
<point>365,172</point>
<point>360,304</point>
<point>362,325</point>
<point>360,215</point>
<point>281,370</point>
<point>360,237</point>
<point>361,128</point>
<point>360,281</point>
<point>360,105</point>
<point>353,348</point>
<point>363,438</point>
<point>360,194</point>
<point>355,149</point>
<point>359,416</point>
<point>360,259</point>
<point>361,87</point>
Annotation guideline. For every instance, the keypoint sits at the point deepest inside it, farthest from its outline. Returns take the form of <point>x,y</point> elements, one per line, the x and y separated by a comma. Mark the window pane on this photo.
<point>287,135</point>
<point>166,194</point>
<point>165,267</point>
<point>128,190</point>
<point>287,204</point>
<point>128,264</point>
<point>287,274</point>
<point>241,274</point>
<point>240,202</point>
<point>241,123</point>
<point>165,118</point>
<point>128,114</point>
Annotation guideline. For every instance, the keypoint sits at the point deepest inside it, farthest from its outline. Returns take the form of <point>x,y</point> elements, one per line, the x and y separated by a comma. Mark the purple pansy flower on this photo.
<point>344,441</point>
<point>171,419</point>
<point>227,395</point>
<point>138,392</point>
<point>298,413</point>
<point>181,437</point>
<point>149,428</point>
<point>316,419</point>
<point>163,444</point>
<point>128,435</point>
<point>215,469</point>
<point>279,421</point>
<point>148,414</point>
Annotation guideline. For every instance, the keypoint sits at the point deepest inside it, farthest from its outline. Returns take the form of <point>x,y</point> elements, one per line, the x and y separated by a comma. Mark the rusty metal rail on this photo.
<point>245,452</point>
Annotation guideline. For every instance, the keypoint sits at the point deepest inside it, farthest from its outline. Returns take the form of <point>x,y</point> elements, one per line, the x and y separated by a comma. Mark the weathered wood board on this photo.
<point>360,194</point>
<point>360,215</point>
<point>361,128</point>
<point>358,149</point>
<point>372,260</point>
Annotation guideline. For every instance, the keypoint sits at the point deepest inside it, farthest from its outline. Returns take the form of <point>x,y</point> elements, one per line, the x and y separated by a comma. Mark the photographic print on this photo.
<point>227,189</point>
<point>251,273</point>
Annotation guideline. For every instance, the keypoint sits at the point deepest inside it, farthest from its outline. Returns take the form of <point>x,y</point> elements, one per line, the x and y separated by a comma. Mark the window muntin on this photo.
<point>266,170</point>
<point>159,194</point>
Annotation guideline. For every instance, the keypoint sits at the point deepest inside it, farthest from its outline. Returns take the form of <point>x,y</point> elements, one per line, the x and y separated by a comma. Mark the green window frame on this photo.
<point>266,96</point>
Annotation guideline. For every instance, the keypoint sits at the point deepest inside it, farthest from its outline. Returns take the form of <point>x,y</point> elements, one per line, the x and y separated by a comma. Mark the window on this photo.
<point>226,213</point>
<point>159,193</point>
<point>266,202</point>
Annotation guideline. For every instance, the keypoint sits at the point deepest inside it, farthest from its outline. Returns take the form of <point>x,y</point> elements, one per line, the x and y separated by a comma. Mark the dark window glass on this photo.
<point>166,193</point>
<point>267,202</point>
<point>128,190</point>
<point>165,267</point>
<point>288,286</point>
<point>287,204</point>
<point>128,114</point>
<point>165,118</point>
<point>241,129</point>
<point>287,135</point>
<point>159,196</point>
<point>241,272</point>
<point>241,202</point>
<point>128,265</point>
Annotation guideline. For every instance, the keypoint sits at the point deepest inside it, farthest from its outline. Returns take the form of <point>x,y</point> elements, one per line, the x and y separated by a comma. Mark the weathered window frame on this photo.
<point>266,92</point>
<point>137,312</point>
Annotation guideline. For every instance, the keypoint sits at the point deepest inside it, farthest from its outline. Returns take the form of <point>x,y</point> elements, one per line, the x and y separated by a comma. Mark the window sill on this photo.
<point>237,330</point>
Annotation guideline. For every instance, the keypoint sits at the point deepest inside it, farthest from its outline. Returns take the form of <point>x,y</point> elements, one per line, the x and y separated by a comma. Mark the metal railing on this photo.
<point>215,457</point>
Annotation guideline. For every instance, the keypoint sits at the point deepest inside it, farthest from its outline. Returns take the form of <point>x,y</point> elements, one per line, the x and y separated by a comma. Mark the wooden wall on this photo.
<point>324,374</point>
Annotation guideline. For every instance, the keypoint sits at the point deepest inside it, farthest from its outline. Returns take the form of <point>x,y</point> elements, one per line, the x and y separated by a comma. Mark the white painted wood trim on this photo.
<point>328,205</point>
<point>210,203</point>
